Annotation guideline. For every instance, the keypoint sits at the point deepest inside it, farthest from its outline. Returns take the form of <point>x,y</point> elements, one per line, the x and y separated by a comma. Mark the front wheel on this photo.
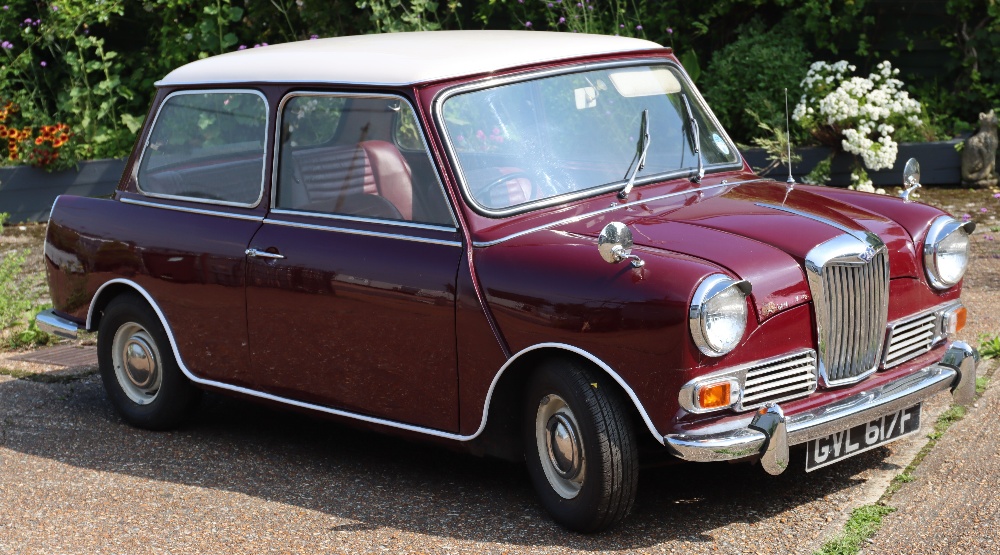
<point>580,447</point>
<point>140,374</point>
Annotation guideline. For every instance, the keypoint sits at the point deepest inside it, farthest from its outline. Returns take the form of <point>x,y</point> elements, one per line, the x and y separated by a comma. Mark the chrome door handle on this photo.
<point>254,253</point>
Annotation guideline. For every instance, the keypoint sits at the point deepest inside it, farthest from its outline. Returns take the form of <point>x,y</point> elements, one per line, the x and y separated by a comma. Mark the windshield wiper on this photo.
<point>641,147</point>
<point>695,138</point>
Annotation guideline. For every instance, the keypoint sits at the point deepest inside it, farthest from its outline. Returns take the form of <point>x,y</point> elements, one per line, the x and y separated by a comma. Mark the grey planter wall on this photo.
<point>27,193</point>
<point>940,164</point>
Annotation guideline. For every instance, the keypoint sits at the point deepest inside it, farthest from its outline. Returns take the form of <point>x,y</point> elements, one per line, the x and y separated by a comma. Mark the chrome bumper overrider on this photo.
<point>769,433</point>
<point>50,322</point>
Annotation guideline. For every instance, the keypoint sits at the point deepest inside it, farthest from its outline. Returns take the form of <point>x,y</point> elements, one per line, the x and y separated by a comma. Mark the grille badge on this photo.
<point>868,254</point>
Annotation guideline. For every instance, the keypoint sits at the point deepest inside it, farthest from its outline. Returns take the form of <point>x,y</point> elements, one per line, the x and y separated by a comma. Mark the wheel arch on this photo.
<point>502,408</point>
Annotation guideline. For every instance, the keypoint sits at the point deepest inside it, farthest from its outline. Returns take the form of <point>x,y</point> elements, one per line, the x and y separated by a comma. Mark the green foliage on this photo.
<point>393,16</point>
<point>819,175</point>
<point>864,522</point>
<point>989,347</point>
<point>753,71</point>
<point>4,216</point>
<point>18,295</point>
<point>973,39</point>
<point>774,143</point>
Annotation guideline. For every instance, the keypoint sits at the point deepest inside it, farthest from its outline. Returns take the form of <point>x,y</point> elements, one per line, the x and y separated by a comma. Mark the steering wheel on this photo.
<point>486,193</point>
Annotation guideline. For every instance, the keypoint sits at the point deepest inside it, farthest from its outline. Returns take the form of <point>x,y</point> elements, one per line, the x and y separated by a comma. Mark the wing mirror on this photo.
<point>615,244</point>
<point>911,178</point>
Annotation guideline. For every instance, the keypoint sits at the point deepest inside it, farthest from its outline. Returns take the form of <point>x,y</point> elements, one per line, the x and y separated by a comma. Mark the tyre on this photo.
<point>580,446</point>
<point>140,375</point>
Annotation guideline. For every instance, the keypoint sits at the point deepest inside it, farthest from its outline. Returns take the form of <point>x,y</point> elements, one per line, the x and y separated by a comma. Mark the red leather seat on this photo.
<point>393,178</point>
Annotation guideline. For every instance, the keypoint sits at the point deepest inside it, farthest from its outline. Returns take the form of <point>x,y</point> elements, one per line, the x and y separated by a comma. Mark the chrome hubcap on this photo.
<point>560,450</point>
<point>137,363</point>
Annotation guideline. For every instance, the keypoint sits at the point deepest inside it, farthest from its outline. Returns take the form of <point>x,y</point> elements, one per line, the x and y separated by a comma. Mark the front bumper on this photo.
<point>769,433</point>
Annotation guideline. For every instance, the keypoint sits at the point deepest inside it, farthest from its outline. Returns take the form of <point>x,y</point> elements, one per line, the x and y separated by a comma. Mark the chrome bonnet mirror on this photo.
<point>911,178</point>
<point>615,244</point>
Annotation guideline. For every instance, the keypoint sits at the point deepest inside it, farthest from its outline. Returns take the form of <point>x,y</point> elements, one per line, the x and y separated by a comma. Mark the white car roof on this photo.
<point>397,58</point>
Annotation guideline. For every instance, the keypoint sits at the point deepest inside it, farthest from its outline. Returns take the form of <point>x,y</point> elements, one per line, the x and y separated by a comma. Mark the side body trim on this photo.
<point>192,210</point>
<point>365,233</point>
<point>369,419</point>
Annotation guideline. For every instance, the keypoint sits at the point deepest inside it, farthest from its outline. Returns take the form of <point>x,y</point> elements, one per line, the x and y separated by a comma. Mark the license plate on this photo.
<point>847,443</point>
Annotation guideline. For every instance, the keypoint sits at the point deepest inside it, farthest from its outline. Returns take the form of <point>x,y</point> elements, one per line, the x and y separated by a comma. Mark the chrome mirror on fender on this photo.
<point>615,244</point>
<point>911,178</point>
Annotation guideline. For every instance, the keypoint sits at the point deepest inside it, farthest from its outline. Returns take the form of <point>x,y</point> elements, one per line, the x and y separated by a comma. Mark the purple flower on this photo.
<point>966,217</point>
<point>263,44</point>
<point>591,8</point>
<point>997,195</point>
<point>562,20</point>
<point>984,210</point>
<point>55,8</point>
<point>44,64</point>
<point>550,4</point>
<point>638,27</point>
<point>579,5</point>
<point>5,8</point>
<point>27,21</point>
<point>670,31</point>
<point>313,37</point>
<point>622,26</point>
<point>242,47</point>
<point>6,45</point>
<point>527,24</point>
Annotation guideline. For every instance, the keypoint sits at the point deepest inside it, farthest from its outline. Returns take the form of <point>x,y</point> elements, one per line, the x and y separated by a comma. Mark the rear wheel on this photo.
<point>140,374</point>
<point>580,447</point>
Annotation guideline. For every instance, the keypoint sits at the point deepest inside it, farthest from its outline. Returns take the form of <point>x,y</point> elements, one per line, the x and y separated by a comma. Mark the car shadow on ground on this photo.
<point>376,481</point>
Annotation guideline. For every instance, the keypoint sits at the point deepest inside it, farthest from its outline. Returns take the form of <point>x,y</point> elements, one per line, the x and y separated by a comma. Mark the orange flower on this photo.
<point>64,137</point>
<point>58,143</point>
<point>39,141</point>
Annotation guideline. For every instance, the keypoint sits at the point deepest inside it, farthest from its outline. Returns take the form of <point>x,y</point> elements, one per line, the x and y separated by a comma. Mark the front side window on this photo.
<point>207,146</point>
<point>537,139</point>
<point>357,156</point>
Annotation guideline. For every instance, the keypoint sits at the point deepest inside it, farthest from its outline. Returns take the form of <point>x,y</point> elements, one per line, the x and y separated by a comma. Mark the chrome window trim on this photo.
<point>940,229</point>
<point>379,234</point>
<point>263,158</point>
<point>276,152</point>
<point>365,418</point>
<point>490,82</point>
<point>362,219</point>
<point>247,217</point>
<point>482,244</point>
<point>842,250</point>
<point>940,334</point>
<point>685,395</point>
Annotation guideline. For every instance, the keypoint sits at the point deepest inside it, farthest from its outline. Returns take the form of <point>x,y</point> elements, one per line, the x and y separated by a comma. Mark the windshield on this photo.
<point>564,134</point>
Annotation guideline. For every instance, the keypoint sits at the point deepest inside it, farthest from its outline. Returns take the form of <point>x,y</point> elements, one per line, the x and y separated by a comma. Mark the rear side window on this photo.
<point>207,146</point>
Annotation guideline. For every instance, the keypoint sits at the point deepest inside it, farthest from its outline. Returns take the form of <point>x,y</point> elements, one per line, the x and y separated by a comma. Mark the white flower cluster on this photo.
<point>862,113</point>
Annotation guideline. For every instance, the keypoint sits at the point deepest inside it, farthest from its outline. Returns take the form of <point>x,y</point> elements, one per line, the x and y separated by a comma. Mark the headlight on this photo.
<point>718,315</point>
<point>946,251</point>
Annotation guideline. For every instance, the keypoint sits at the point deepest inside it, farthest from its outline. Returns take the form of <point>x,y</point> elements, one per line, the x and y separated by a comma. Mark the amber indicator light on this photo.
<point>960,316</point>
<point>715,395</point>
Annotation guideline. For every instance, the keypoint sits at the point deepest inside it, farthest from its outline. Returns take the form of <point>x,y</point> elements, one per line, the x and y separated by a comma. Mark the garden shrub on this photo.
<point>752,72</point>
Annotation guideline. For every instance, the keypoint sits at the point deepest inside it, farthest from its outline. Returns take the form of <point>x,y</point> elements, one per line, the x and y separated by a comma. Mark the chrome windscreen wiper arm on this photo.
<point>695,138</point>
<point>641,147</point>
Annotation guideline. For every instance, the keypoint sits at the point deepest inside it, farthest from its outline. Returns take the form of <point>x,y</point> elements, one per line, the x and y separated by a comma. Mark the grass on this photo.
<point>989,347</point>
<point>864,522</point>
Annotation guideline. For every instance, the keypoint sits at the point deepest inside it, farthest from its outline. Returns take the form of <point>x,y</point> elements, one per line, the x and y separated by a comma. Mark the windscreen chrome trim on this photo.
<point>490,82</point>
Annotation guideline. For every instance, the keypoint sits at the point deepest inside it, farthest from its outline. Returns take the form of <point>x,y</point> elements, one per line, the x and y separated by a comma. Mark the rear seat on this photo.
<point>332,179</point>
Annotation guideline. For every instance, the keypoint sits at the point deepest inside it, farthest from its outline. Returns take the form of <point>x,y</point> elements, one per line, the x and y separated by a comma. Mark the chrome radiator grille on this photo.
<point>849,280</point>
<point>779,380</point>
<point>857,297</point>
<point>910,338</point>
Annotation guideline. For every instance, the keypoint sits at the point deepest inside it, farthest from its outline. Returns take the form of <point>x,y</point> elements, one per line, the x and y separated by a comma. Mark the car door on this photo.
<point>351,277</point>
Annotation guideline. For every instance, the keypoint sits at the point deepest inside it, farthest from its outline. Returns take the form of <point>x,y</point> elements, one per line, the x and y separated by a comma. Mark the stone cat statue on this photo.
<point>979,155</point>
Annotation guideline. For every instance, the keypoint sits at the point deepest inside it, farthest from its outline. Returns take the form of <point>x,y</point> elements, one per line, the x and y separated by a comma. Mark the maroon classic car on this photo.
<point>531,245</point>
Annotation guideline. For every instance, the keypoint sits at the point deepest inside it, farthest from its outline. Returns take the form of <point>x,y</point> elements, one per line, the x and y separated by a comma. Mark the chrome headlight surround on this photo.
<point>946,251</point>
<point>719,299</point>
